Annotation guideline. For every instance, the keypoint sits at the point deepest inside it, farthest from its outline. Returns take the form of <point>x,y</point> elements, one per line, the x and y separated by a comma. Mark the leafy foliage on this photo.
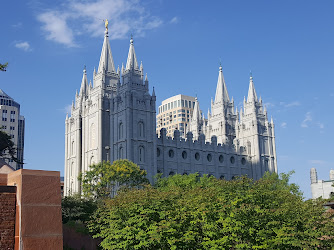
<point>192,212</point>
<point>103,179</point>
<point>76,208</point>
<point>3,67</point>
<point>7,147</point>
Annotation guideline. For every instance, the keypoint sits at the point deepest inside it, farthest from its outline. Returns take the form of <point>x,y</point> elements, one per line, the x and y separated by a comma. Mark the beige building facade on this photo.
<point>175,113</point>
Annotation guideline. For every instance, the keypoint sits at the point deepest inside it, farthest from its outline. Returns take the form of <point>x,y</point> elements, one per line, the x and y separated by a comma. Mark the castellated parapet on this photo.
<point>185,156</point>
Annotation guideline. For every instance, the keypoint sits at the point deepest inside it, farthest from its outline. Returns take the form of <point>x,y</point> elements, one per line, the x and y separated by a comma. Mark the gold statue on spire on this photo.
<point>106,24</point>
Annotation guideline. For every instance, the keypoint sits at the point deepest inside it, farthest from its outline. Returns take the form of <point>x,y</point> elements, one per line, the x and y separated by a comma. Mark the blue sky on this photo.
<point>288,46</point>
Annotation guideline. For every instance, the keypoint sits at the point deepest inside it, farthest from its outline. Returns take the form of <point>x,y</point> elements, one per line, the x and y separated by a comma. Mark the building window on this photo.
<point>141,129</point>
<point>120,153</point>
<point>72,148</point>
<point>221,158</point>
<point>243,161</point>
<point>171,153</point>
<point>158,152</point>
<point>141,154</point>
<point>12,116</point>
<point>249,148</point>
<point>92,136</point>
<point>232,159</point>
<point>197,156</point>
<point>222,177</point>
<point>209,157</point>
<point>120,131</point>
<point>4,115</point>
<point>184,155</point>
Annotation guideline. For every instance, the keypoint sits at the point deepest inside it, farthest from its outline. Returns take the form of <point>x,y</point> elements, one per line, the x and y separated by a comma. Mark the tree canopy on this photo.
<point>192,212</point>
<point>103,179</point>
<point>7,147</point>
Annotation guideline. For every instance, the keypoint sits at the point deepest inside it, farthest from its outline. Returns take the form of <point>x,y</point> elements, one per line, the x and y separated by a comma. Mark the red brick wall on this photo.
<point>7,217</point>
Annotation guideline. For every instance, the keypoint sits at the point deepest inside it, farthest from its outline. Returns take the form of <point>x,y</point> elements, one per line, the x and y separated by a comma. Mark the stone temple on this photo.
<point>115,118</point>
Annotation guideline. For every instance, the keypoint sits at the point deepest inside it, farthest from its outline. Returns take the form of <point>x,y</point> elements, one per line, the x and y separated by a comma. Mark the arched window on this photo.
<point>141,129</point>
<point>141,154</point>
<point>158,152</point>
<point>92,136</point>
<point>120,131</point>
<point>243,161</point>
<point>92,161</point>
<point>72,169</point>
<point>197,156</point>
<point>120,153</point>
<point>232,159</point>
<point>184,155</point>
<point>209,157</point>
<point>249,148</point>
<point>221,158</point>
<point>72,148</point>
<point>171,153</point>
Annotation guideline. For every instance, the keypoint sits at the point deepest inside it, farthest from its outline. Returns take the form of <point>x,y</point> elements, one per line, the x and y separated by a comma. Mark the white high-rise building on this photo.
<point>13,124</point>
<point>115,117</point>
<point>175,113</point>
<point>322,188</point>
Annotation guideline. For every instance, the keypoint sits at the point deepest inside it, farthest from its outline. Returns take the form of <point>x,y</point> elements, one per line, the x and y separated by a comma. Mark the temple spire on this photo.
<point>106,59</point>
<point>221,90</point>
<point>131,62</point>
<point>252,97</point>
<point>84,83</point>
<point>196,113</point>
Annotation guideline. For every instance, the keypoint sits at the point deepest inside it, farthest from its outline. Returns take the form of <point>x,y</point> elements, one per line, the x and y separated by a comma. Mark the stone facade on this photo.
<point>321,188</point>
<point>115,118</point>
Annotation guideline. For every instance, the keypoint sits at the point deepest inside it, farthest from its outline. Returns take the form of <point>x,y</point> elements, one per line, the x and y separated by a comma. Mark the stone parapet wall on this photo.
<point>7,217</point>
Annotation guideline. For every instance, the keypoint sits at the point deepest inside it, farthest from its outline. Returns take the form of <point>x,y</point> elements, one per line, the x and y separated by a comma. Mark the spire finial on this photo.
<point>84,69</point>
<point>220,65</point>
<point>106,24</point>
<point>250,74</point>
<point>131,40</point>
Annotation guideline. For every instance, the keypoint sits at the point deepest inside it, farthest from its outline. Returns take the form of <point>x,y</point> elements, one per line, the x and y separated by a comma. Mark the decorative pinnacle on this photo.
<point>84,69</point>
<point>250,74</point>
<point>131,40</point>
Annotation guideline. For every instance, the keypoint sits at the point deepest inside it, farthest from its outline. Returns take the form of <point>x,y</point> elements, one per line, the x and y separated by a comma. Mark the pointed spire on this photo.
<point>94,71</point>
<point>90,84</point>
<point>84,83</point>
<point>271,120</point>
<point>251,91</point>
<point>106,59</point>
<point>118,71</point>
<point>72,104</point>
<point>153,92</point>
<point>196,112</point>
<point>131,62</point>
<point>146,79</point>
<point>141,67</point>
<point>221,91</point>
<point>122,68</point>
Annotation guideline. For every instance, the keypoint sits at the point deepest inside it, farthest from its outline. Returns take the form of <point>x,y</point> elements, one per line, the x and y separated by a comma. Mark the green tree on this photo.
<point>192,212</point>
<point>103,179</point>
<point>3,67</point>
<point>7,147</point>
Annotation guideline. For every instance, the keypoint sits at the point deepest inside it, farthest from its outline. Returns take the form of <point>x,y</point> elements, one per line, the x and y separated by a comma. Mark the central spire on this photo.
<point>252,97</point>
<point>221,90</point>
<point>131,62</point>
<point>106,59</point>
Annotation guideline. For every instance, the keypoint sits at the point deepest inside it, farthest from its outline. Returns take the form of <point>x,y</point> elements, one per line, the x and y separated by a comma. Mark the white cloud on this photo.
<point>290,104</point>
<point>283,125</point>
<point>86,17</point>
<point>67,109</point>
<point>305,122</point>
<point>56,28</point>
<point>268,105</point>
<point>317,162</point>
<point>23,45</point>
<point>321,125</point>
<point>174,20</point>
<point>17,25</point>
